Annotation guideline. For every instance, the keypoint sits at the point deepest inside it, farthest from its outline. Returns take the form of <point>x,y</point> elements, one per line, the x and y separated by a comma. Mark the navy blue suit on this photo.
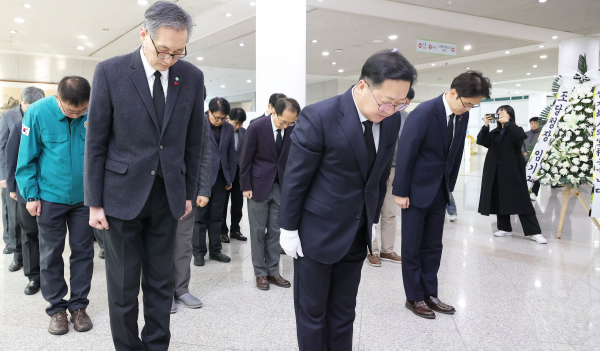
<point>426,172</point>
<point>329,199</point>
<point>237,198</point>
<point>223,154</point>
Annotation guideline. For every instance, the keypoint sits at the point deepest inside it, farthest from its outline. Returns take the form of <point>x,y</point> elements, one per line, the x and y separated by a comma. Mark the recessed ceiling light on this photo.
<point>507,52</point>
<point>19,20</point>
<point>375,41</point>
<point>544,56</point>
<point>433,64</point>
<point>27,6</point>
<point>339,50</point>
<point>541,46</point>
<point>499,71</point>
<point>542,1</point>
<point>81,47</point>
<point>393,37</point>
<point>12,31</point>
<point>534,66</point>
<point>467,47</point>
<point>528,73</point>
<point>248,81</point>
<point>518,85</point>
<point>340,71</point>
<point>493,83</point>
<point>468,67</point>
<point>241,44</point>
<point>228,14</point>
<point>82,37</point>
<point>142,2</point>
<point>555,37</point>
<point>222,86</point>
<point>252,3</point>
<point>333,63</point>
<point>315,41</point>
<point>325,53</point>
<point>199,58</point>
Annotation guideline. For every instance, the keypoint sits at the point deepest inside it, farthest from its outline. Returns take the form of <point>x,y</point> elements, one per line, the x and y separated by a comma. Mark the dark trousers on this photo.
<point>99,234</point>
<point>529,222</point>
<point>14,229</point>
<point>5,233</point>
<point>325,298</point>
<point>237,204</point>
<point>141,246</point>
<point>30,242</point>
<point>210,217</point>
<point>53,222</point>
<point>422,231</point>
<point>536,188</point>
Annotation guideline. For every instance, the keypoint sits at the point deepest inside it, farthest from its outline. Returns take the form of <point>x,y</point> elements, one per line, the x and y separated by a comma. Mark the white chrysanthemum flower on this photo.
<point>578,108</point>
<point>590,120</point>
<point>569,109</point>
<point>571,144</point>
<point>574,169</point>
<point>589,110</point>
<point>564,171</point>
<point>579,139</point>
<point>582,175</point>
<point>546,166</point>
<point>576,161</point>
<point>584,158</point>
<point>554,170</point>
<point>586,145</point>
<point>577,132</point>
<point>585,167</point>
<point>574,101</point>
<point>576,151</point>
<point>584,150</point>
<point>586,101</point>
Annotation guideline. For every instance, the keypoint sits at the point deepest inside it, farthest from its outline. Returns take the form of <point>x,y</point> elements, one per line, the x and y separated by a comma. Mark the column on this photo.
<point>570,49</point>
<point>280,50</point>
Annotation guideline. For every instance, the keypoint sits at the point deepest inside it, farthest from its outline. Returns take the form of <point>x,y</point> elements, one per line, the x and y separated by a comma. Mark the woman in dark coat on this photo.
<point>504,189</point>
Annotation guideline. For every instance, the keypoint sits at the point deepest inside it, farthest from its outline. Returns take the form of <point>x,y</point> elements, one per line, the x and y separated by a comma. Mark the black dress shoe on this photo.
<point>198,260</point>
<point>101,255</point>
<point>15,266</point>
<point>435,304</point>
<point>7,250</point>
<point>238,236</point>
<point>220,257</point>
<point>224,238</point>
<point>32,288</point>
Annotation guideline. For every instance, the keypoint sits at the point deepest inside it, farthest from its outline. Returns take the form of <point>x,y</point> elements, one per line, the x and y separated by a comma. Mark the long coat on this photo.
<point>508,193</point>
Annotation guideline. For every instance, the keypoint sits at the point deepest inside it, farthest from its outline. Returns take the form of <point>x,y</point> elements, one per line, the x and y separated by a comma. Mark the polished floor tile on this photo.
<point>510,293</point>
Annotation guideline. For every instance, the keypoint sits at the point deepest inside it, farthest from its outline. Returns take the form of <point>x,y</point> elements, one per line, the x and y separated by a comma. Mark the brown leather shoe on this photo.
<point>435,304</point>
<point>420,309</point>
<point>373,260</point>
<point>279,281</point>
<point>262,283</point>
<point>59,323</point>
<point>81,321</point>
<point>391,257</point>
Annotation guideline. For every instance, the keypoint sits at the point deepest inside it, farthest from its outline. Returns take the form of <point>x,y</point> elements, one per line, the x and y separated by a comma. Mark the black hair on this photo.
<point>411,94</point>
<point>237,114</point>
<point>387,64</point>
<point>287,104</point>
<point>274,97</point>
<point>74,90</point>
<point>509,110</point>
<point>472,84</point>
<point>534,119</point>
<point>219,104</point>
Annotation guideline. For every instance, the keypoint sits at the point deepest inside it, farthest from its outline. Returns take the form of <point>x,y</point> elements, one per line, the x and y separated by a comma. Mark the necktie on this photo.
<point>371,151</point>
<point>450,130</point>
<point>279,142</point>
<point>158,95</point>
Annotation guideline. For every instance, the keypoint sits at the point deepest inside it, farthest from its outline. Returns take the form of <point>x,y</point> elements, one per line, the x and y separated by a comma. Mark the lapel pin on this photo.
<point>176,81</point>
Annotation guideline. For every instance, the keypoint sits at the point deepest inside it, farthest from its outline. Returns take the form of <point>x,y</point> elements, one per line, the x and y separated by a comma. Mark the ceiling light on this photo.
<point>19,20</point>
<point>222,86</point>
<point>467,47</point>
<point>82,37</point>
<point>555,37</point>
<point>339,50</point>
<point>542,1</point>
<point>142,2</point>
<point>518,85</point>
<point>507,52</point>
<point>325,53</point>
<point>493,83</point>
<point>340,71</point>
<point>544,56</point>
<point>393,37</point>
<point>248,81</point>
<point>241,44</point>
<point>333,63</point>
<point>528,73</point>
<point>27,6</point>
<point>228,14</point>
<point>199,58</point>
<point>534,66</point>
<point>252,3</point>
<point>12,31</point>
<point>433,64</point>
<point>541,46</point>
<point>315,41</point>
<point>81,47</point>
<point>499,71</point>
<point>468,67</point>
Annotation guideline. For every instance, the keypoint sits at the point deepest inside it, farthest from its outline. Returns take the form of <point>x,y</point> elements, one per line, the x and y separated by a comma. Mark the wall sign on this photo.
<point>436,47</point>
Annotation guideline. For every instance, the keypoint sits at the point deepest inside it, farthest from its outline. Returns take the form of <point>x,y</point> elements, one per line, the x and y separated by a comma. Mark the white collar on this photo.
<point>273,124</point>
<point>149,70</point>
<point>360,115</point>
<point>446,106</point>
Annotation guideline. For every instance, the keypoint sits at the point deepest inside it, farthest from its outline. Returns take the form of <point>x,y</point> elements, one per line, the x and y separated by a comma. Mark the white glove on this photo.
<point>290,243</point>
<point>374,233</point>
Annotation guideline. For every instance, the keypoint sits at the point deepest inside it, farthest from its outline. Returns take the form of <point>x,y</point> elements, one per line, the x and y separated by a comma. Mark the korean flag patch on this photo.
<point>85,125</point>
<point>25,130</point>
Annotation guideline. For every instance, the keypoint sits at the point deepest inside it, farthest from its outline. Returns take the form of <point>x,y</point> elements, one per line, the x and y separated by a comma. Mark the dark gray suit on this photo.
<point>125,145</point>
<point>11,225</point>
<point>237,197</point>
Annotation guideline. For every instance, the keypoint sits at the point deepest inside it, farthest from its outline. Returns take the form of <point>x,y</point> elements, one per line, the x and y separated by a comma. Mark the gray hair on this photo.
<point>32,94</point>
<point>170,15</point>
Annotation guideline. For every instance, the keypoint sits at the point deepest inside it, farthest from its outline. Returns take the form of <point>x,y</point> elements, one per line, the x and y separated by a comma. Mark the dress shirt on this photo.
<point>448,113</point>
<point>164,80</point>
<point>236,136</point>
<point>275,129</point>
<point>376,126</point>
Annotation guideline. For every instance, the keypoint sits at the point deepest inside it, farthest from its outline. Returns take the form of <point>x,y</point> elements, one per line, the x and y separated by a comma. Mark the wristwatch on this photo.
<point>33,199</point>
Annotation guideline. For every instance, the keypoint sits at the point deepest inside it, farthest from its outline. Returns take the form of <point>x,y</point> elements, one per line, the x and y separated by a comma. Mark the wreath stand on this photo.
<point>567,193</point>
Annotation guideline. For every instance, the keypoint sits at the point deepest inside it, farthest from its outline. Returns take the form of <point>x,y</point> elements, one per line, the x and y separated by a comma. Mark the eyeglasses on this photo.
<point>70,112</point>
<point>165,55</point>
<point>284,123</point>
<point>387,105</point>
<point>470,106</point>
<point>218,119</point>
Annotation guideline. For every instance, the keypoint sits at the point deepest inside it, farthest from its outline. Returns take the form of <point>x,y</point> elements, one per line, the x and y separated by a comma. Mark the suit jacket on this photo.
<point>9,116</point>
<point>257,118</point>
<point>259,161</point>
<point>125,143</point>
<point>238,153</point>
<point>423,160</point>
<point>205,172</point>
<point>326,188</point>
<point>13,123</point>
<point>222,154</point>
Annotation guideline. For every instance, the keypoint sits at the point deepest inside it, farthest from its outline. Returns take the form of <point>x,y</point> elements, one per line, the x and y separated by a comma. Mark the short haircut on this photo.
<point>411,94</point>
<point>509,110</point>
<point>169,15</point>
<point>288,104</point>
<point>219,104</point>
<point>274,97</point>
<point>32,94</point>
<point>387,64</point>
<point>74,90</point>
<point>237,114</point>
<point>472,84</point>
<point>534,119</point>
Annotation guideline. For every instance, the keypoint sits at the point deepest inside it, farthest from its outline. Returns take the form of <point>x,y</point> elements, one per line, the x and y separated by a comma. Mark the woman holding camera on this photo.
<point>504,189</point>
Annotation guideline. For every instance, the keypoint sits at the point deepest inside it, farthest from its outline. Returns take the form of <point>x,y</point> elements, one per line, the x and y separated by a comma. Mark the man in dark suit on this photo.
<point>237,117</point>
<point>333,190</point>
<point>271,107</point>
<point>429,157</point>
<point>29,248</point>
<point>264,158</point>
<point>141,169</point>
<point>210,217</point>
